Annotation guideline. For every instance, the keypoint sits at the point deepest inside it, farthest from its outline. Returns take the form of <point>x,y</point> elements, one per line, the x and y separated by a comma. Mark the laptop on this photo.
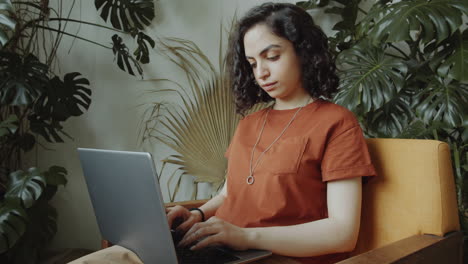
<point>130,212</point>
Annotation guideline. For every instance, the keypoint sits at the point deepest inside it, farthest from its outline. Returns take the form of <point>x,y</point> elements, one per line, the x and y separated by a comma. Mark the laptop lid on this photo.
<point>128,203</point>
<point>129,207</point>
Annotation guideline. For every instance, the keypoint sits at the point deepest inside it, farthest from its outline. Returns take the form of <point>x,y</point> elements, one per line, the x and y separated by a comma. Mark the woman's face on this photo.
<point>275,64</point>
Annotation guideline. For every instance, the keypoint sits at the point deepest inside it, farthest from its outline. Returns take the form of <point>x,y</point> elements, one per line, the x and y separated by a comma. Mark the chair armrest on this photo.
<point>427,249</point>
<point>186,204</point>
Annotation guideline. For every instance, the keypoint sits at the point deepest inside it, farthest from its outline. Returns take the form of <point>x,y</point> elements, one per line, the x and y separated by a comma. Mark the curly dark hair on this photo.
<point>310,44</point>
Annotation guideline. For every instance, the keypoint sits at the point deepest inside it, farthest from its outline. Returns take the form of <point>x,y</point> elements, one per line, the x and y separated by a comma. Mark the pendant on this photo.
<point>250,180</point>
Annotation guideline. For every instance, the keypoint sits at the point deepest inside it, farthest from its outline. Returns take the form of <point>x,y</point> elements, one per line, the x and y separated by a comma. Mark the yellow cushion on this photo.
<point>413,193</point>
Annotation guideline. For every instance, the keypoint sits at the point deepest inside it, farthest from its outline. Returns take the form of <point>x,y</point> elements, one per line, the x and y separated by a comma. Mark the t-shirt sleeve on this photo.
<point>346,156</point>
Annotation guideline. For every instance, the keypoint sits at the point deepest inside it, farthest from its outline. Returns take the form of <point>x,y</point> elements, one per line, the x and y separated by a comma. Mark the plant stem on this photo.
<point>68,34</point>
<point>87,23</point>
<point>362,10</point>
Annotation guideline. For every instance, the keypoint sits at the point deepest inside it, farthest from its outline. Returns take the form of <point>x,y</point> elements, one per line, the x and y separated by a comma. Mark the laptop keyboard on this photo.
<point>207,255</point>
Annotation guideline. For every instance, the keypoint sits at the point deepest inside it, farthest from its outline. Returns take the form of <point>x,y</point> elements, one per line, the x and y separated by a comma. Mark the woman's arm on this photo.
<point>189,218</point>
<point>210,207</point>
<point>337,233</point>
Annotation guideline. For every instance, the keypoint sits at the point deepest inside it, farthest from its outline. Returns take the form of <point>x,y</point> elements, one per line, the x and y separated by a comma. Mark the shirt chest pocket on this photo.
<point>285,155</point>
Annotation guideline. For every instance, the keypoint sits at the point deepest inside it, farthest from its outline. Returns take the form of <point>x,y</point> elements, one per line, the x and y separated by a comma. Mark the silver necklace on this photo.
<point>251,179</point>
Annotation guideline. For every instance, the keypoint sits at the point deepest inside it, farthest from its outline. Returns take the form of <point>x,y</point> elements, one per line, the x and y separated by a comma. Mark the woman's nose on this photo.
<point>262,71</point>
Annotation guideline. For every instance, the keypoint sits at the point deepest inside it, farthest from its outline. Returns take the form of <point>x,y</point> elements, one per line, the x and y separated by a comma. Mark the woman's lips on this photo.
<point>268,86</point>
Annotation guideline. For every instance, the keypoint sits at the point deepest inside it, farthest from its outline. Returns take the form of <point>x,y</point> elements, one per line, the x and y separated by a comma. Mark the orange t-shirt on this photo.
<point>323,143</point>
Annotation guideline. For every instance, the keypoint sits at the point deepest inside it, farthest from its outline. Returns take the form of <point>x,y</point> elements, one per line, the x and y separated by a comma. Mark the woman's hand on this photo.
<point>180,213</point>
<point>216,232</point>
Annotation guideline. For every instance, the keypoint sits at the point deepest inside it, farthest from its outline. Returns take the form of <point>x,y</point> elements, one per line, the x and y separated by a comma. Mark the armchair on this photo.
<point>409,211</point>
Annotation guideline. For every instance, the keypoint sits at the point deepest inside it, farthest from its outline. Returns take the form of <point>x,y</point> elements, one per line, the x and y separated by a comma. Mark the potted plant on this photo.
<point>403,72</point>
<point>35,102</point>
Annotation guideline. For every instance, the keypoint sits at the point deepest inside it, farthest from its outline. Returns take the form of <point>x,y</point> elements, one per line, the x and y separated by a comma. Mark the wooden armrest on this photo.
<point>186,204</point>
<point>427,249</point>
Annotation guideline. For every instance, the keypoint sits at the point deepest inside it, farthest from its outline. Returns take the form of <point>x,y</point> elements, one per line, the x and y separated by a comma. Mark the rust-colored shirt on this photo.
<point>323,143</point>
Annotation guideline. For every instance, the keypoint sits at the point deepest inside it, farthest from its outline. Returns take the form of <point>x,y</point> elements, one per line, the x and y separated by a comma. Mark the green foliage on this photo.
<point>13,222</point>
<point>370,77</point>
<point>431,20</point>
<point>6,22</point>
<point>22,79</point>
<point>126,14</point>
<point>35,102</point>
<point>27,221</point>
<point>124,59</point>
<point>25,186</point>
<point>60,101</point>
<point>403,68</point>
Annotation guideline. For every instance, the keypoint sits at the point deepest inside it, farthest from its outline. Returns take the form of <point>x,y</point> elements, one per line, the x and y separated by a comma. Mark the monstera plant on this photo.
<point>404,72</point>
<point>35,102</point>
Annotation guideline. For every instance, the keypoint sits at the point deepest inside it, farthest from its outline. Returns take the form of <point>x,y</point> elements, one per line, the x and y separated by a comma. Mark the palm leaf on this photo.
<point>201,129</point>
<point>436,19</point>
<point>126,14</point>
<point>369,78</point>
<point>443,102</point>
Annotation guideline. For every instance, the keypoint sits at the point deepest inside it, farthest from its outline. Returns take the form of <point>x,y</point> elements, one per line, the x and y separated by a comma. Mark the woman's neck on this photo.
<point>291,104</point>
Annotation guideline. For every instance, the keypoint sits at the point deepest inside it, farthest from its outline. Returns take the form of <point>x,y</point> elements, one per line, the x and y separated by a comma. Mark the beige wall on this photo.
<point>114,115</point>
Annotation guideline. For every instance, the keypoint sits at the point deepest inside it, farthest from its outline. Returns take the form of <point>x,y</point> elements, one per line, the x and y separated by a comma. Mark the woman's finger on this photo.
<point>171,216</point>
<point>207,241</point>
<point>186,225</point>
<point>201,231</point>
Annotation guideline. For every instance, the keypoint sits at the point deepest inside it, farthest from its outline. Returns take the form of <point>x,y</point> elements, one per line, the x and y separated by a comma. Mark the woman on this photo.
<point>294,169</point>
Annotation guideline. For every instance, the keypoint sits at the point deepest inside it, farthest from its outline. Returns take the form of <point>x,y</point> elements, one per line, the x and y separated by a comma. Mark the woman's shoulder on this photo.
<point>335,113</point>
<point>253,116</point>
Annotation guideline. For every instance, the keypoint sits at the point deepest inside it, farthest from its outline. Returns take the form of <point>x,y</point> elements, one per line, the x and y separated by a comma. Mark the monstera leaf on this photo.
<point>125,61</point>
<point>9,125</point>
<point>13,219</point>
<point>393,117</point>
<point>443,102</point>
<point>142,52</point>
<point>453,61</point>
<point>22,80</point>
<point>26,187</point>
<point>126,14</point>
<point>436,19</point>
<point>369,78</point>
<point>63,99</point>
<point>6,22</point>
<point>55,177</point>
<point>40,218</point>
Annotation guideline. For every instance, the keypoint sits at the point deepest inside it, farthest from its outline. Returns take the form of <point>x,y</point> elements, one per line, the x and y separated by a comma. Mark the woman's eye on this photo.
<point>273,58</point>
<point>253,65</point>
